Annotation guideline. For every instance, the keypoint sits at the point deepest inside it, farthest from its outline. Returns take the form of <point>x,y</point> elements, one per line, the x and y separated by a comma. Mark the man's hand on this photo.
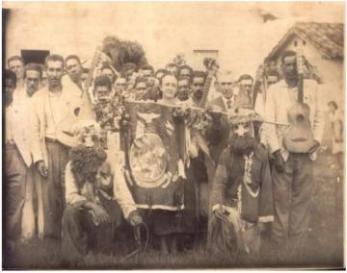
<point>100,214</point>
<point>313,151</point>
<point>219,211</point>
<point>278,161</point>
<point>42,168</point>
<point>314,148</point>
<point>134,218</point>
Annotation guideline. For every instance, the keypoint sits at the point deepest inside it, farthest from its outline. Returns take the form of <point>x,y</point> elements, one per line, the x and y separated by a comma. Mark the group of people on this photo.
<point>65,182</point>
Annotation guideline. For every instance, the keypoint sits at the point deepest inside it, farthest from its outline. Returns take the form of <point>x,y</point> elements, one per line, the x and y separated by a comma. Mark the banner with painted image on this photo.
<point>154,146</point>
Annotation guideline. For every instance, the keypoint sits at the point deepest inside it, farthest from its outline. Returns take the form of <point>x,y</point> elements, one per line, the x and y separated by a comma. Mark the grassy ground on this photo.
<point>325,248</point>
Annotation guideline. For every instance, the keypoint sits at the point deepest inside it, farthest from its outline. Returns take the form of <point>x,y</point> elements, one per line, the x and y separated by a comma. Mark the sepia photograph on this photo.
<point>173,135</point>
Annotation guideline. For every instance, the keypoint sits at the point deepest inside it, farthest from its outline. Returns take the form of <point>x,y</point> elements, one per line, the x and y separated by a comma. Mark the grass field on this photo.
<point>325,248</point>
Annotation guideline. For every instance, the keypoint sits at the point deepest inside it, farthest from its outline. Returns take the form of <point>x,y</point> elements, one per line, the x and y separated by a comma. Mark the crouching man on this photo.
<point>241,191</point>
<point>96,202</point>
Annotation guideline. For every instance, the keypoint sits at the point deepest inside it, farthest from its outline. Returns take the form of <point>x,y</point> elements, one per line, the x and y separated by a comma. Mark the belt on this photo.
<point>51,140</point>
<point>55,141</point>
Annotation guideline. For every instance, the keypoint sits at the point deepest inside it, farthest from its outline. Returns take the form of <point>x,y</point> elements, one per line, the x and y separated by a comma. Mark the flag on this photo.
<point>153,148</point>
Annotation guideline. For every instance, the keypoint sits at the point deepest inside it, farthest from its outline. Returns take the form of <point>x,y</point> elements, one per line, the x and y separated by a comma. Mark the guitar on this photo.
<point>211,66</point>
<point>299,136</point>
<point>89,81</point>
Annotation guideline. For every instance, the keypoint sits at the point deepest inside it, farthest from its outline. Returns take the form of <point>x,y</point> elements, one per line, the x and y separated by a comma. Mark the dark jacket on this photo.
<point>256,196</point>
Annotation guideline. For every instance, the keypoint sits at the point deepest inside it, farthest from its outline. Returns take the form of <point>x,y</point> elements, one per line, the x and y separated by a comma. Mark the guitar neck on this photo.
<point>206,90</point>
<point>300,71</point>
<point>301,88</point>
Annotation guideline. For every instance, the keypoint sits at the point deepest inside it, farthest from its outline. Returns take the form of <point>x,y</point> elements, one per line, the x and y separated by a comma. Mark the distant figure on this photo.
<point>74,68</point>
<point>172,68</point>
<point>107,71</point>
<point>146,71</point>
<point>336,126</point>
<point>185,71</point>
<point>197,88</point>
<point>183,88</point>
<point>245,97</point>
<point>160,73</point>
<point>84,76</point>
<point>141,88</point>
<point>16,64</point>
<point>120,86</point>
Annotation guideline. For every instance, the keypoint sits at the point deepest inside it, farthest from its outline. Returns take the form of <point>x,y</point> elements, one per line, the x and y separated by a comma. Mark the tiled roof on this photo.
<point>328,38</point>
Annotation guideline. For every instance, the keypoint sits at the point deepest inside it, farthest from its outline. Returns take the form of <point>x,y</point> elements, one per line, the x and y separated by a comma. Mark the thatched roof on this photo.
<point>328,38</point>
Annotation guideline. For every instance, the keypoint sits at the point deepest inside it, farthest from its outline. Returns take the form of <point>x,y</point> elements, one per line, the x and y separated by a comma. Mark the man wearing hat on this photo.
<point>241,197</point>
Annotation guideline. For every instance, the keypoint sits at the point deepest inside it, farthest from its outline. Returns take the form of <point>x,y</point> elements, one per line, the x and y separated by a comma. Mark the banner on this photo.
<point>153,145</point>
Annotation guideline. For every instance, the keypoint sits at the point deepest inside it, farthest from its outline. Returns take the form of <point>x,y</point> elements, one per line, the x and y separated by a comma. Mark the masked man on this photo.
<point>241,192</point>
<point>97,198</point>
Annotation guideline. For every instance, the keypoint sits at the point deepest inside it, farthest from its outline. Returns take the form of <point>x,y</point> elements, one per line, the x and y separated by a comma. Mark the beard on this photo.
<point>198,95</point>
<point>54,84</point>
<point>243,144</point>
<point>183,95</point>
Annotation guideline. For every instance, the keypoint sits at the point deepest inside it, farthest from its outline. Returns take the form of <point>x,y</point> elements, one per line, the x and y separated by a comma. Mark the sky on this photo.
<point>164,29</point>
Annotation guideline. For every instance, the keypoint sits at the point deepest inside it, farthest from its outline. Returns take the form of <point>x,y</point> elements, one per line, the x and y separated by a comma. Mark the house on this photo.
<point>323,46</point>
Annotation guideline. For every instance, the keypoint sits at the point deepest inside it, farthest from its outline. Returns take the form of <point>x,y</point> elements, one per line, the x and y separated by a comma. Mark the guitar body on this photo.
<point>299,137</point>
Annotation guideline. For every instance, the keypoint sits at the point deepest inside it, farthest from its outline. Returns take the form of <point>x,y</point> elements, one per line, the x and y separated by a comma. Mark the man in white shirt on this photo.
<point>74,68</point>
<point>225,86</point>
<point>56,108</point>
<point>292,173</point>
<point>18,137</point>
<point>226,102</point>
<point>23,111</point>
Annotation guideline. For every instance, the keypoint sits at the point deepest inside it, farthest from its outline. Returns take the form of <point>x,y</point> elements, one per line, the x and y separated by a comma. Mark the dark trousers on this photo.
<point>53,188</point>
<point>14,186</point>
<point>292,192</point>
<point>81,234</point>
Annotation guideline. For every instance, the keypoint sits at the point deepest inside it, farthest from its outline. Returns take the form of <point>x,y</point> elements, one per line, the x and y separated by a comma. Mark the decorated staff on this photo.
<point>241,191</point>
